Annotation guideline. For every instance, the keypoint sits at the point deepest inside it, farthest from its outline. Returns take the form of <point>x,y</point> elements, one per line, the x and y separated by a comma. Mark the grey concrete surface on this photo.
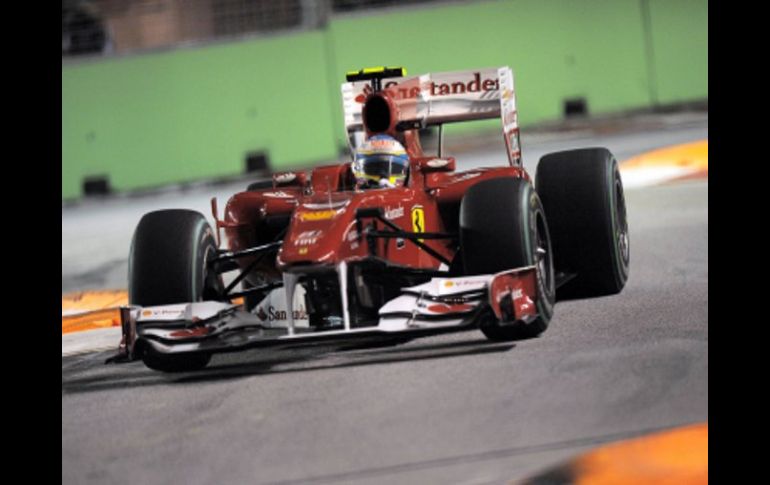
<point>448,409</point>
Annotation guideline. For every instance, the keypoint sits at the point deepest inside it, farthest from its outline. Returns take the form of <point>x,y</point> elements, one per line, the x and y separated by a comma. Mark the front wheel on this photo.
<point>582,193</point>
<point>168,263</point>
<point>503,226</point>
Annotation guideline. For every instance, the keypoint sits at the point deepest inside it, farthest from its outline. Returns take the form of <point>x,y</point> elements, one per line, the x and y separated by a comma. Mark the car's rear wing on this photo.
<point>446,97</point>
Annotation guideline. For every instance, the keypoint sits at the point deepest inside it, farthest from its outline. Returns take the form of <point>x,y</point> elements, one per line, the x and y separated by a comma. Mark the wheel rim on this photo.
<point>621,223</point>
<point>543,257</point>
<point>213,286</point>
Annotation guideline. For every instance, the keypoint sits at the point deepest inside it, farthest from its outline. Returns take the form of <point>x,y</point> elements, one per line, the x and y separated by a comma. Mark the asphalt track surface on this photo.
<point>447,409</point>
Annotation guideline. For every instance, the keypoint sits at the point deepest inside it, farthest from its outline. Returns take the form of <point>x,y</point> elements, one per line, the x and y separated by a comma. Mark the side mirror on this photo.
<point>285,179</point>
<point>434,164</point>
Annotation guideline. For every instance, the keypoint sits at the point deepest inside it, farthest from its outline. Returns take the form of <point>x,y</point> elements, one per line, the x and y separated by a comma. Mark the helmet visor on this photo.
<point>383,166</point>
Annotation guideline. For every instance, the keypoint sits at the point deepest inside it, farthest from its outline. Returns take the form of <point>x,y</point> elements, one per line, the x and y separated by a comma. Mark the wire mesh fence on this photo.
<point>110,27</point>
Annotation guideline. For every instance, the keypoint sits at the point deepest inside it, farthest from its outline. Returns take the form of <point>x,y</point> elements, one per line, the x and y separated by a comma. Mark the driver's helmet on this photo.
<point>381,162</point>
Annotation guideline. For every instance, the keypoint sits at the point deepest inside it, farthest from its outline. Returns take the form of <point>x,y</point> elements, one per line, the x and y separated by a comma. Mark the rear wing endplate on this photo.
<point>446,97</point>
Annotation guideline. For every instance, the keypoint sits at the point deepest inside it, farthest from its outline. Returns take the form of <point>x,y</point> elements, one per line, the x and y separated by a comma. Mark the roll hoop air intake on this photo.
<point>379,111</point>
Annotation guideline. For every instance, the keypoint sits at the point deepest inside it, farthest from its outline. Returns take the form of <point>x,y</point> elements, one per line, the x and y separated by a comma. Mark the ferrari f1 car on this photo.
<point>321,259</point>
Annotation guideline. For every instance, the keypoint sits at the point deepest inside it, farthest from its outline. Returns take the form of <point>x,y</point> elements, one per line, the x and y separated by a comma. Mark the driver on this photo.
<point>381,162</point>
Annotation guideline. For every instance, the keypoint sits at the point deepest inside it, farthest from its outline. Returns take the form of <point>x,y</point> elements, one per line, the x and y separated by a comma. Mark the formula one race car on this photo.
<point>322,257</point>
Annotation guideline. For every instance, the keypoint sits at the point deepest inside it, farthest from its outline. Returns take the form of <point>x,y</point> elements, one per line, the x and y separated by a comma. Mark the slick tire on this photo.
<point>168,264</point>
<point>503,226</point>
<point>582,193</point>
<point>260,185</point>
<point>175,363</point>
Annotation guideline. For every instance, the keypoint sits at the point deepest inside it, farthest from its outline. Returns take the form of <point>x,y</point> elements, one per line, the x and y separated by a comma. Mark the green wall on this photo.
<point>557,49</point>
<point>680,49</point>
<point>190,114</point>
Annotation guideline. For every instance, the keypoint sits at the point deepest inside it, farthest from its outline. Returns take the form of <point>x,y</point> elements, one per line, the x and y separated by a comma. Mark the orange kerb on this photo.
<point>694,156</point>
<point>90,321</point>
<point>90,310</point>
<point>672,457</point>
<point>89,301</point>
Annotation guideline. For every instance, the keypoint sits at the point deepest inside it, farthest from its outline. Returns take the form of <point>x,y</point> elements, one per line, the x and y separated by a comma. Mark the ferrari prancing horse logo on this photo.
<point>418,219</point>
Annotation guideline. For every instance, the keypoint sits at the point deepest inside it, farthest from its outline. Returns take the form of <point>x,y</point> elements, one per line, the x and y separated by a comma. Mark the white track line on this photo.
<point>90,341</point>
<point>646,176</point>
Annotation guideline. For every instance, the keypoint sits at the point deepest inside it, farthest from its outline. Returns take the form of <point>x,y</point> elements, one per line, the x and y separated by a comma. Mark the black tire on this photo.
<point>503,226</point>
<point>175,363</point>
<point>260,185</point>
<point>166,265</point>
<point>582,193</point>
<point>249,301</point>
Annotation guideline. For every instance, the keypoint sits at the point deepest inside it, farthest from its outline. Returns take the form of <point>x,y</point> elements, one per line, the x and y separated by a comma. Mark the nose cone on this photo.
<point>318,232</point>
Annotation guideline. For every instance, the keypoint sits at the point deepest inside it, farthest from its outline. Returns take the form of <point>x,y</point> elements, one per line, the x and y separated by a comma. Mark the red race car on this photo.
<point>394,245</point>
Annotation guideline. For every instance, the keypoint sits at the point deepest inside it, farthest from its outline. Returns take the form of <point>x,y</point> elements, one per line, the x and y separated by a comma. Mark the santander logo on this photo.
<point>366,92</point>
<point>475,85</point>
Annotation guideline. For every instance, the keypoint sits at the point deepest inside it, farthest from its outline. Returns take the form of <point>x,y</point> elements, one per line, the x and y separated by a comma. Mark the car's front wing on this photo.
<point>438,306</point>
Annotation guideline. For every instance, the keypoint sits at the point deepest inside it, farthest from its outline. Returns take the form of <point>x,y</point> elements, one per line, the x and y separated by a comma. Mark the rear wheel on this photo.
<point>503,226</point>
<point>583,196</point>
<point>168,263</point>
<point>260,185</point>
